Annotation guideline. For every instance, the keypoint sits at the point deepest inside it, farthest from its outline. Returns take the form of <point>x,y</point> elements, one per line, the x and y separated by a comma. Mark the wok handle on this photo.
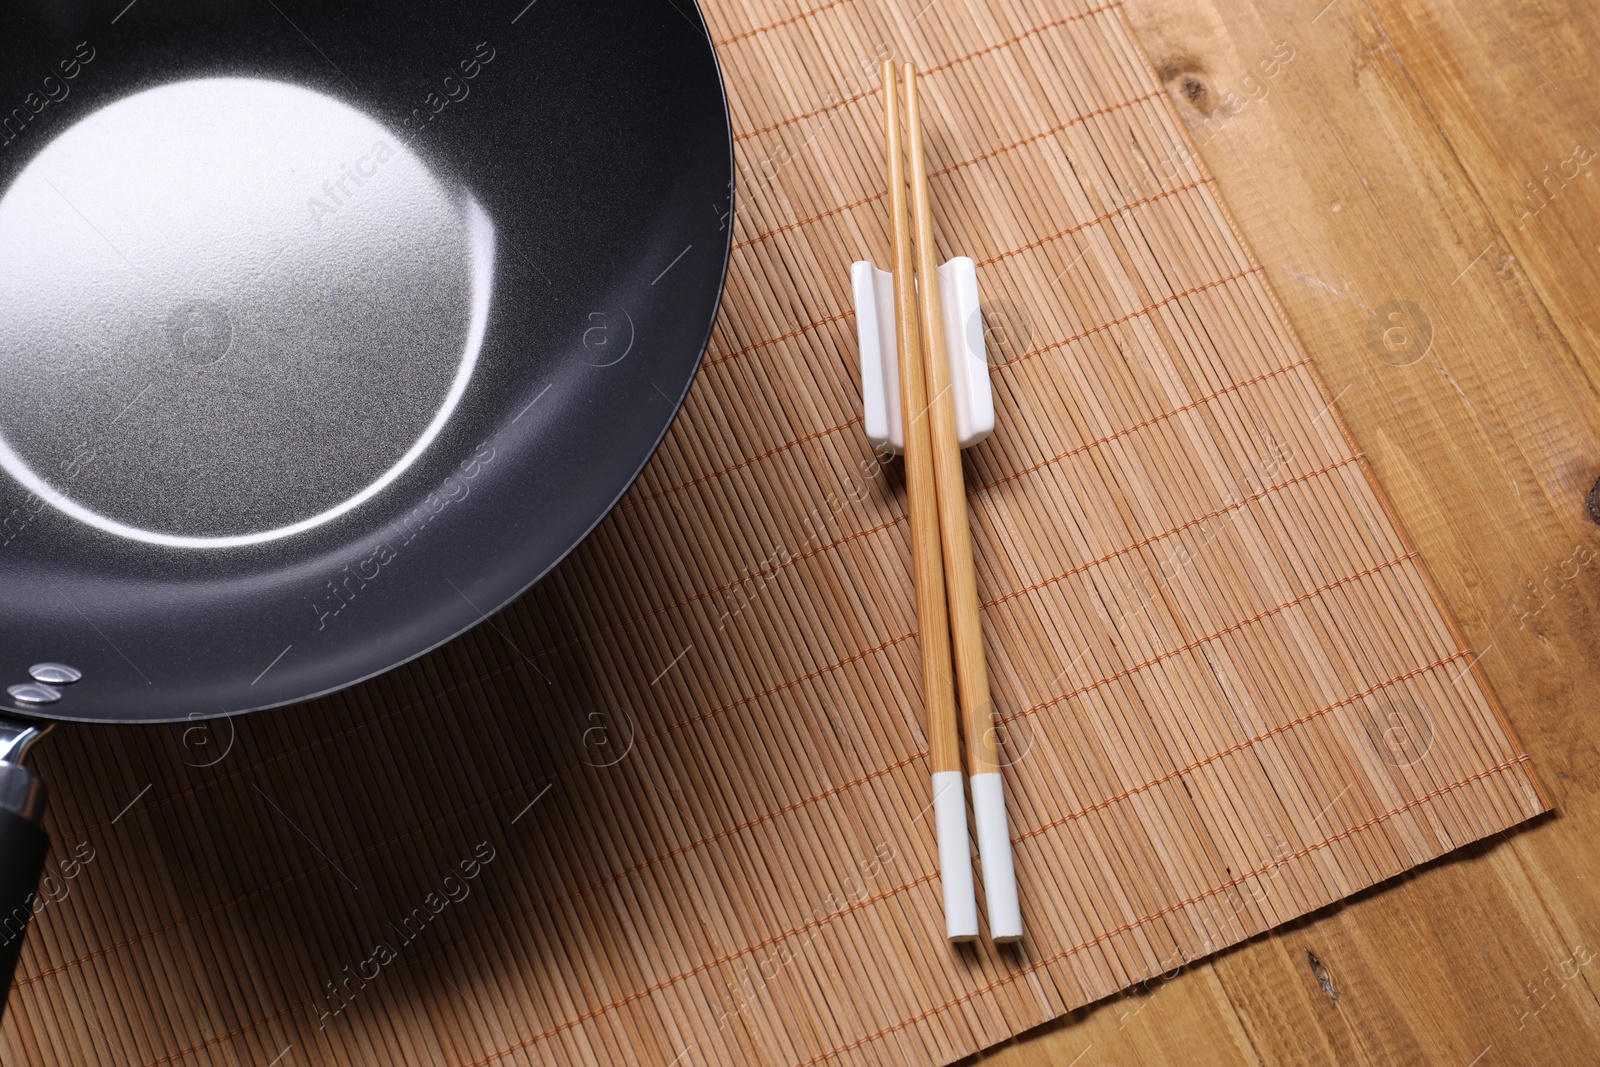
<point>23,846</point>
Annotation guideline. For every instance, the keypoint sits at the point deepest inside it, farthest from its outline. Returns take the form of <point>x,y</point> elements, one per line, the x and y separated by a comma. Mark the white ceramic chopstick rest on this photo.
<point>880,373</point>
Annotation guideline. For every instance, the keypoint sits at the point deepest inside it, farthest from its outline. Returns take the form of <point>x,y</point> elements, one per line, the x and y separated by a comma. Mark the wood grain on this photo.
<point>1390,159</point>
<point>688,767</point>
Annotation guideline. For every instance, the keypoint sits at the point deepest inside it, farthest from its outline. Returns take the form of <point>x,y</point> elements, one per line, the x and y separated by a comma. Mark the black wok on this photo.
<point>326,328</point>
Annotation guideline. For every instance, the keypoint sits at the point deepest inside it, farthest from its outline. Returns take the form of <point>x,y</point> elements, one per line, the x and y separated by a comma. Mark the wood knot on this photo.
<point>1320,973</point>
<point>1184,78</point>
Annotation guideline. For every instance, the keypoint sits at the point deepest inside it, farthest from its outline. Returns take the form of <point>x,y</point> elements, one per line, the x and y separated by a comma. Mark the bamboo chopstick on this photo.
<point>944,738</point>
<point>961,582</point>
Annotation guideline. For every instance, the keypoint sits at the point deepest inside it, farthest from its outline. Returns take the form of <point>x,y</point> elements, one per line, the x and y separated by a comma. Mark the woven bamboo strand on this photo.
<point>1227,691</point>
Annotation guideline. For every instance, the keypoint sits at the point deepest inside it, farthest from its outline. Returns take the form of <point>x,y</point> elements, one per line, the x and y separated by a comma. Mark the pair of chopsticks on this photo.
<point>941,541</point>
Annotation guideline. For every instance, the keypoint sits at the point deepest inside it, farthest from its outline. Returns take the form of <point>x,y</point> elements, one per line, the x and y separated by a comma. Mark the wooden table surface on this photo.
<point>1418,179</point>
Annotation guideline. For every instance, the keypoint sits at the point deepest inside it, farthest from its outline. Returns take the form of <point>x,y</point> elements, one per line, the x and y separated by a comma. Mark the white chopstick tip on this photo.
<point>955,857</point>
<point>994,852</point>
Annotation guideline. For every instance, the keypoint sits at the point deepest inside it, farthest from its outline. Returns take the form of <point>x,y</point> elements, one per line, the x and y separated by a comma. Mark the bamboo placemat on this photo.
<point>669,808</point>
